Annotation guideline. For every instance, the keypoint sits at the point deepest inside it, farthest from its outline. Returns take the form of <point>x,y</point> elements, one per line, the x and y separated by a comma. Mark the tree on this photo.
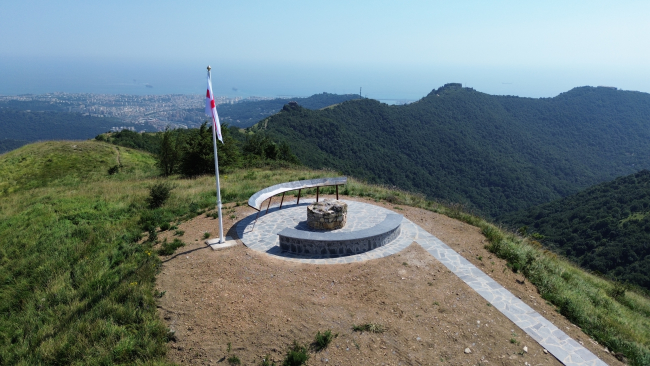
<point>262,146</point>
<point>284,153</point>
<point>198,151</point>
<point>229,152</point>
<point>255,145</point>
<point>197,154</point>
<point>168,158</point>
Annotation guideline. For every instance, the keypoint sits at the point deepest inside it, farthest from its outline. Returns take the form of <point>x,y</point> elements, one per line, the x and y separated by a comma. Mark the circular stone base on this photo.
<point>328,243</point>
<point>262,234</point>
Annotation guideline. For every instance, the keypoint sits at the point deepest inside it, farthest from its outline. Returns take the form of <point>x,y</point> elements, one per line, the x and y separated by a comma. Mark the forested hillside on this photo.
<point>9,144</point>
<point>247,113</point>
<point>605,228</point>
<point>34,105</point>
<point>494,154</point>
<point>48,125</point>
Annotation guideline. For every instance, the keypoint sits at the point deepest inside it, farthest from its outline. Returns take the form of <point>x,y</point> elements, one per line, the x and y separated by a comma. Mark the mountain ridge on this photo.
<point>494,154</point>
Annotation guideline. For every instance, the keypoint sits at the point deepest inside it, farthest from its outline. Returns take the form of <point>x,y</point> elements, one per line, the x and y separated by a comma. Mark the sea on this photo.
<point>388,84</point>
<point>118,78</point>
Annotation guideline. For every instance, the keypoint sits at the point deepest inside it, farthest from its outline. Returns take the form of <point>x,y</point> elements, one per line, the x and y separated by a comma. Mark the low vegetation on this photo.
<point>296,356</point>
<point>234,360</point>
<point>167,248</point>
<point>158,194</point>
<point>77,286</point>
<point>369,327</point>
<point>323,340</point>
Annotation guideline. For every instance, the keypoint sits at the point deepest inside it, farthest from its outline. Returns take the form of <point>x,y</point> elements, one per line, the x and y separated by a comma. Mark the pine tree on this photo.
<point>168,158</point>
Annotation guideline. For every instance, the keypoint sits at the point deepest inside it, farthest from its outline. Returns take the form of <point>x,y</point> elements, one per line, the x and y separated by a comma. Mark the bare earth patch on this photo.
<point>259,305</point>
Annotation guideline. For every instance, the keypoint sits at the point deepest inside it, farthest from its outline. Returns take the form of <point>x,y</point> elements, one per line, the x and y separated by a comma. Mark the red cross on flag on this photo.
<point>211,110</point>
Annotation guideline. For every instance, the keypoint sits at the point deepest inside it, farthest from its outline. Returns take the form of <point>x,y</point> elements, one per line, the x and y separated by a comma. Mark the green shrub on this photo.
<point>234,360</point>
<point>296,356</point>
<point>617,291</point>
<point>149,222</point>
<point>323,340</point>
<point>169,248</point>
<point>153,236</point>
<point>158,194</point>
<point>164,226</point>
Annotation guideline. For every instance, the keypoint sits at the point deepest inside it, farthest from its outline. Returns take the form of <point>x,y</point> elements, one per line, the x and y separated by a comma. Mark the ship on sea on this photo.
<point>148,85</point>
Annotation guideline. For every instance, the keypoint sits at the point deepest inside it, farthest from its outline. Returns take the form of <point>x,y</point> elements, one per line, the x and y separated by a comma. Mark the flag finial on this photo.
<point>209,68</point>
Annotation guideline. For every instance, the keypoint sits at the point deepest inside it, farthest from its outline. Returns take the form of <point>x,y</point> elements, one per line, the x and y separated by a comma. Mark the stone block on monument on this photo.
<point>327,215</point>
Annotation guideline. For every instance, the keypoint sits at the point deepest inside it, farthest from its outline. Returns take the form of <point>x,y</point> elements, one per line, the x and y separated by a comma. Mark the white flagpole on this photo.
<point>216,168</point>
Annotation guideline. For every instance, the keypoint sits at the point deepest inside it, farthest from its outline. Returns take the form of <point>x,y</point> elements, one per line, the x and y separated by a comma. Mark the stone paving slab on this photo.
<point>262,236</point>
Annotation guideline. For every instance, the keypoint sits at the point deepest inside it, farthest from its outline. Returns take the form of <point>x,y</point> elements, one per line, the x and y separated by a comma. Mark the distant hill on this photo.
<point>8,144</point>
<point>247,113</point>
<point>605,228</point>
<point>27,125</point>
<point>34,106</point>
<point>494,154</point>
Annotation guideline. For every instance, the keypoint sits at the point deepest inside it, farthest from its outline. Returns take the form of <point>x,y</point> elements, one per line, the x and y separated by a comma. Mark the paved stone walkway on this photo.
<point>262,236</point>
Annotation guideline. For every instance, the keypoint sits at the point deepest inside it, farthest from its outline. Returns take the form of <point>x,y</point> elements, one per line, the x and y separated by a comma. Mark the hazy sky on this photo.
<point>392,49</point>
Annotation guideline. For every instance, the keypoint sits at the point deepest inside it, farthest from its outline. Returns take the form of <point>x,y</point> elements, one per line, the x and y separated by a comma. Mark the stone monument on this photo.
<point>327,215</point>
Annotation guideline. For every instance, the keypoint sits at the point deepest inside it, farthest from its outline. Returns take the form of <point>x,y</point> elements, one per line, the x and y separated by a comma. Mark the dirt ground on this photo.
<point>248,304</point>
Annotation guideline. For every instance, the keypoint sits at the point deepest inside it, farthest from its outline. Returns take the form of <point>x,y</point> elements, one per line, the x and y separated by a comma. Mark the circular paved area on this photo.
<point>262,235</point>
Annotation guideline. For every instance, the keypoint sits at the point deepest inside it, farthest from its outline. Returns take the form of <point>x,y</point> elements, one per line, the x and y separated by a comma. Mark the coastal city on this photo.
<point>152,112</point>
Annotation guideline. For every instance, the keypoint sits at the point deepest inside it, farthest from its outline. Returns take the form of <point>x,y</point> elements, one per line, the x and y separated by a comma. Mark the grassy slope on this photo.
<point>78,285</point>
<point>76,288</point>
<point>77,281</point>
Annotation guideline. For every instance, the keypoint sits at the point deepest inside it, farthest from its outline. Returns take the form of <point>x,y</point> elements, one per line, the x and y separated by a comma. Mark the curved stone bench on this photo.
<point>258,198</point>
<point>340,243</point>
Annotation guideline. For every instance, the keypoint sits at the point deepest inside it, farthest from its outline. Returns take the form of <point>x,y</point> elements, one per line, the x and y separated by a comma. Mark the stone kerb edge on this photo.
<point>340,243</point>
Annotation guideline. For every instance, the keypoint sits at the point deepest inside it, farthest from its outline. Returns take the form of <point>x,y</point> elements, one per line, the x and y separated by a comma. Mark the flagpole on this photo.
<point>216,169</point>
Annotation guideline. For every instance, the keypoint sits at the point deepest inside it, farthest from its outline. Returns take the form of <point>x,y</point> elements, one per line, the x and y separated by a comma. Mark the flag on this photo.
<point>211,110</point>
